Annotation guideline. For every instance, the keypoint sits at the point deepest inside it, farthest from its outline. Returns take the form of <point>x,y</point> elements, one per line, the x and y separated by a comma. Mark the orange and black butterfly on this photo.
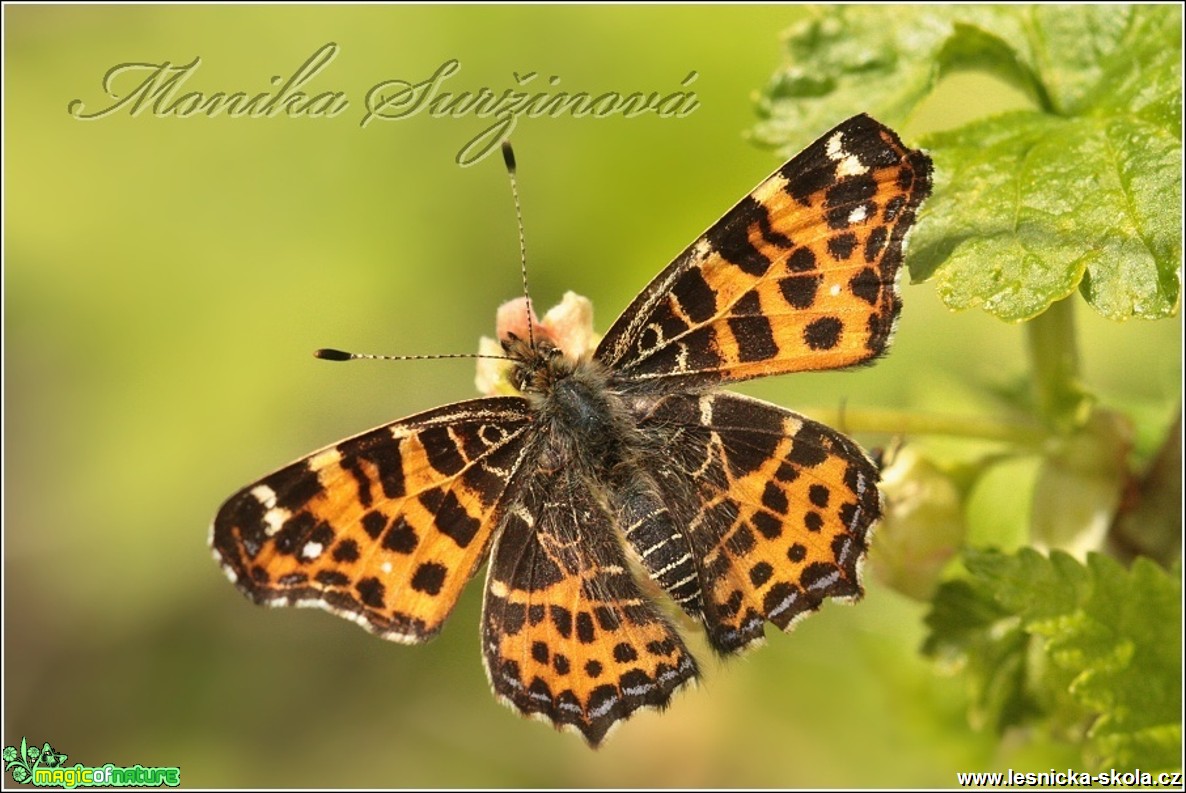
<point>622,461</point>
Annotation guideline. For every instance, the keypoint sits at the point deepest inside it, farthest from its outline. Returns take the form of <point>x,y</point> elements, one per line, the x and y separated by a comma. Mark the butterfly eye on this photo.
<point>520,378</point>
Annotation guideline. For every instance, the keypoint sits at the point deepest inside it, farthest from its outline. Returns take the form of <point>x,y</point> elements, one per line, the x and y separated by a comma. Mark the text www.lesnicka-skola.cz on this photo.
<point>1070,778</point>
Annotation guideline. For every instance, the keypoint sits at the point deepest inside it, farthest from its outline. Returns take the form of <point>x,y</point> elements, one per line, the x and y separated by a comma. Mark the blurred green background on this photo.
<point>167,279</point>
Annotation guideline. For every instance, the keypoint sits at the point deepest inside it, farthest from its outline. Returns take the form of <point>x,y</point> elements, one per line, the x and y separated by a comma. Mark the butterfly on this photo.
<point>622,462</point>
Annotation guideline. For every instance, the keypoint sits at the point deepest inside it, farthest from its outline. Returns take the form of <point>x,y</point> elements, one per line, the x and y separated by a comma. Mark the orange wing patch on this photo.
<point>384,528</point>
<point>800,275</point>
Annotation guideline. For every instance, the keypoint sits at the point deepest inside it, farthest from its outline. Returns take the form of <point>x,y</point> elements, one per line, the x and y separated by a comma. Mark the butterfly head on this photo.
<point>537,351</point>
<point>535,369</point>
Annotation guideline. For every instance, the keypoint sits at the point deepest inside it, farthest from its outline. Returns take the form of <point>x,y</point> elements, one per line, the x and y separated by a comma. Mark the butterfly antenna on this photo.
<point>508,157</point>
<point>329,354</point>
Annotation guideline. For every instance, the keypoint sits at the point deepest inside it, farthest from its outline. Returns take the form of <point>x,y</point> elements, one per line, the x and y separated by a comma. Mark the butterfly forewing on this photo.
<point>800,275</point>
<point>384,528</point>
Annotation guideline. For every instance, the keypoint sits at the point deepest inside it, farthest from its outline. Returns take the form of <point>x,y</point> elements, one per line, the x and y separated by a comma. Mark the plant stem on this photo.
<point>1063,403</point>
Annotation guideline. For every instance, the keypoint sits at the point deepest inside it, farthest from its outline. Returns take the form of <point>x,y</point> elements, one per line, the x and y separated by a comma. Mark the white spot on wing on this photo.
<point>312,550</point>
<point>846,164</point>
<point>264,495</point>
<point>275,518</point>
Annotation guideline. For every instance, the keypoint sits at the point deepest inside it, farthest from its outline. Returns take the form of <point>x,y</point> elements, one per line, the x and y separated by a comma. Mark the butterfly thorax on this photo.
<point>580,420</point>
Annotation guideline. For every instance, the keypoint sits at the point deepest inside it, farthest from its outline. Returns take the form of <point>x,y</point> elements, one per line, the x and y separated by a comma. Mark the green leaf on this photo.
<point>1082,192</point>
<point>1076,644</point>
<point>882,60</point>
<point>969,631</point>
<point>1029,207</point>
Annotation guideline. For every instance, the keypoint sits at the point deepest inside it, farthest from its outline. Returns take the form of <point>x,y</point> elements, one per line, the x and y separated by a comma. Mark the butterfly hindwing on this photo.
<point>384,528</point>
<point>781,512</point>
<point>800,275</point>
<point>566,632</point>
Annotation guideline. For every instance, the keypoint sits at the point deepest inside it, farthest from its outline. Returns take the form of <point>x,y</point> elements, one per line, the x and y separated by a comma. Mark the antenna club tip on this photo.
<point>327,354</point>
<point>508,155</point>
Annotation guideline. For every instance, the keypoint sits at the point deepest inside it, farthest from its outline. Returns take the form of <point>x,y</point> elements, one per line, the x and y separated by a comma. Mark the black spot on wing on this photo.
<point>429,578</point>
<point>841,246</point>
<point>774,498</point>
<point>823,333</point>
<point>331,578</point>
<point>801,260</point>
<point>451,516</point>
<point>695,297</point>
<point>799,290</point>
<point>346,551</point>
<point>730,237</point>
<point>810,447</point>
<point>874,244</point>
<point>760,573</point>
<point>371,592</point>
<point>373,523</point>
<point>751,329</point>
<point>768,525</point>
<point>400,537</point>
<point>294,533</point>
<point>441,449</point>
<point>866,285</point>
<point>851,191</point>
<point>380,449</point>
<point>294,486</point>
<point>808,173</point>
<point>584,625</point>
<point>561,620</point>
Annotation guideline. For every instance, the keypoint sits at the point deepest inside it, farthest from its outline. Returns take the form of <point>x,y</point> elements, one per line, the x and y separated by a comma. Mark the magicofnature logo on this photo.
<point>46,767</point>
